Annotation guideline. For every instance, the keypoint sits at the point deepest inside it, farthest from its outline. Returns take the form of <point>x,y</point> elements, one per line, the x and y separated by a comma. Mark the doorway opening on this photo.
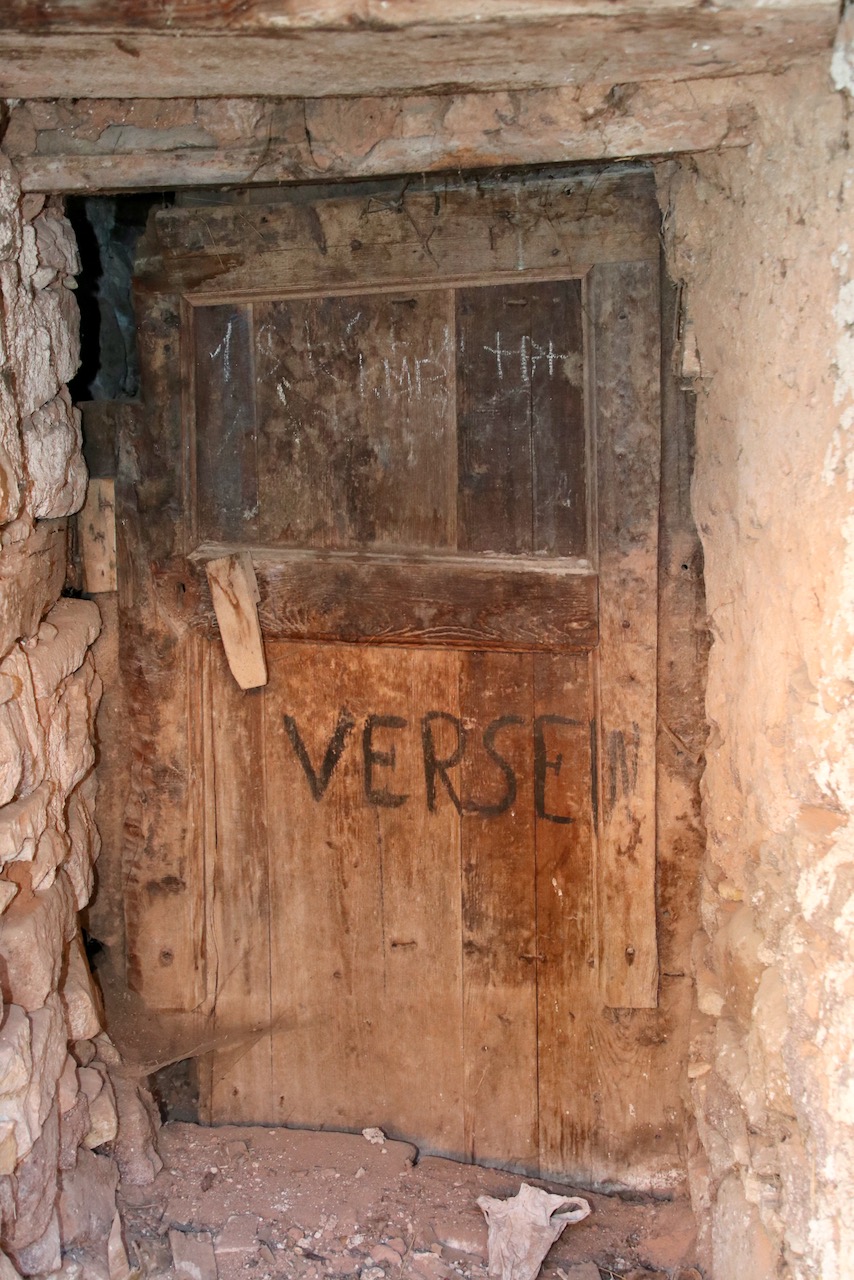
<point>438,874</point>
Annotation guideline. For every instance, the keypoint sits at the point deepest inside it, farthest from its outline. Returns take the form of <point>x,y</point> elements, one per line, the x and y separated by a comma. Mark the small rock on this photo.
<point>385,1253</point>
<point>193,1257</point>
<point>373,1273</point>
<point>429,1266</point>
<point>583,1271</point>
<point>239,1235</point>
<point>376,1136</point>
<point>342,1264</point>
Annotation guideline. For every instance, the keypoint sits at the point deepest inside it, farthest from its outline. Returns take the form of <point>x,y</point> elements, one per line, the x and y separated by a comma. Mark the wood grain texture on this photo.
<point>234,593</point>
<point>619,48</point>
<point>355,421</point>
<point>403,235</point>
<point>499,916</point>
<point>124,144</point>
<point>361,919</point>
<point>405,914</point>
<point>240,1081</point>
<point>439,601</point>
<point>623,303</point>
<point>96,534</point>
<point>297,15</point>
<point>568,998</point>
<point>163,853</point>
<point>226,471</point>
<point>521,428</point>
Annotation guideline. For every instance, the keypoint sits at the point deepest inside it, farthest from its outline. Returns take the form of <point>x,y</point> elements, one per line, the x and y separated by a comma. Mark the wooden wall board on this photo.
<point>239,900</point>
<point>163,854</point>
<point>440,601</point>
<point>623,302</point>
<point>569,1002</point>
<point>521,426</point>
<point>617,48</point>
<point>331,15</point>
<point>499,916</point>
<point>361,918</point>
<point>402,236</point>
<point>355,421</point>
<point>226,471</point>
<point>96,533</point>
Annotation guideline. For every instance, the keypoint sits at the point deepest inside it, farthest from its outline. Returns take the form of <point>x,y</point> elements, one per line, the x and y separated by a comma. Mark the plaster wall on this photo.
<point>763,239</point>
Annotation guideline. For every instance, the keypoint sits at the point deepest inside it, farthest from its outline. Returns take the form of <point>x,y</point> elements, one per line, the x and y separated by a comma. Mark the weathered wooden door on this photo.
<point>412,878</point>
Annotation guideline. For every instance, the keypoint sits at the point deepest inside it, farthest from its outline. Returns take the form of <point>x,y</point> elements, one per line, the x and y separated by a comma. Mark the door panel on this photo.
<point>400,848</point>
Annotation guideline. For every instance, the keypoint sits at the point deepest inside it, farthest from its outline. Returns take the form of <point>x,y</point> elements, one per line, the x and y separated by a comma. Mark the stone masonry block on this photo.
<point>16,1065</point>
<point>34,931</point>
<point>49,1050</point>
<point>51,853</point>
<point>32,572</point>
<point>24,719</point>
<point>11,757</point>
<point>79,996</point>
<point>52,446</point>
<point>85,839</point>
<point>11,451</point>
<point>35,1193</point>
<point>76,625</point>
<point>68,716</point>
<point>10,225</point>
<point>23,823</point>
<point>55,243</point>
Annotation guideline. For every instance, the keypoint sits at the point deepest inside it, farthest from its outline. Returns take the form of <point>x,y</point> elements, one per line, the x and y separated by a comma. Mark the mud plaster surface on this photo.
<point>283,1202</point>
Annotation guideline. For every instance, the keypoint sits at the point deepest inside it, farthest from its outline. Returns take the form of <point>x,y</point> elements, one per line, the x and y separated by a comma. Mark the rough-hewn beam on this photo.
<point>366,56</point>
<point>121,145</point>
<point>300,15</point>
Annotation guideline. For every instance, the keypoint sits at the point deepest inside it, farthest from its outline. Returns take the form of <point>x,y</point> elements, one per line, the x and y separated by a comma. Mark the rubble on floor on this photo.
<point>235,1202</point>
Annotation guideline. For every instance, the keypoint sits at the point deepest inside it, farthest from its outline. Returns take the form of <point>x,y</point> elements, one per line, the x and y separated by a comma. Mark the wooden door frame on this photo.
<point>606,220</point>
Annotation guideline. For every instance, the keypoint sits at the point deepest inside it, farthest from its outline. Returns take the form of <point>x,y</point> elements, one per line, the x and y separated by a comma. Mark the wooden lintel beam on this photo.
<point>108,57</point>
<point>123,145</point>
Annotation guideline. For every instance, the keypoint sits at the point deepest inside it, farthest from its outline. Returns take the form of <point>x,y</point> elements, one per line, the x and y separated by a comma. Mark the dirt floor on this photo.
<point>238,1201</point>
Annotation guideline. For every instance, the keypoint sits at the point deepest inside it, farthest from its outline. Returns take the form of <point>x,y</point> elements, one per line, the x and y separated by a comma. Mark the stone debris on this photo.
<point>285,1204</point>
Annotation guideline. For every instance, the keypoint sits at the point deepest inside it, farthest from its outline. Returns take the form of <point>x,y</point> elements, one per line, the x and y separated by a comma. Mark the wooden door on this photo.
<point>412,877</point>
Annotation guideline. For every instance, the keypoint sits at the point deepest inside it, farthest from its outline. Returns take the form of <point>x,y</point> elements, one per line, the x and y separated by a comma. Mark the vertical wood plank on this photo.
<point>558,424</point>
<point>362,917</point>
<point>162,854</point>
<point>499,912</point>
<point>96,533</point>
<point>623,304</point>
<point>494,420</point>
<point>239,910</point>
<point>568,999</point>
<point>225,443</point>
<point>420,1042</point>
<point>355,418</point>
<point>521,428</point>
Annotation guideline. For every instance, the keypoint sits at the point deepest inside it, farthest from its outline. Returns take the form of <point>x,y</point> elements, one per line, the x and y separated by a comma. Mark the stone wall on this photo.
<point>764,239</point>
<point>60,1110</point>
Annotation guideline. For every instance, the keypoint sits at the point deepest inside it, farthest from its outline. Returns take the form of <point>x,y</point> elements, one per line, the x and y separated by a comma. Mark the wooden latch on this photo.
<point>234,590</point>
